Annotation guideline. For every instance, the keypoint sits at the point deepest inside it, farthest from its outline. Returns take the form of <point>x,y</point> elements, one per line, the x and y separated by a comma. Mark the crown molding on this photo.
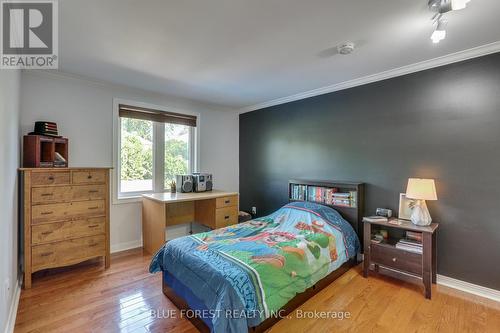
<point>60,75</point>
<point>57,74</point>
<point>417,67</point>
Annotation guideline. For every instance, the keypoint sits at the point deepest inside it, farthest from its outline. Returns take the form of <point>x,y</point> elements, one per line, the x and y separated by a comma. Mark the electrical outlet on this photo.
<point>254,210</point>
<point>6,288</point>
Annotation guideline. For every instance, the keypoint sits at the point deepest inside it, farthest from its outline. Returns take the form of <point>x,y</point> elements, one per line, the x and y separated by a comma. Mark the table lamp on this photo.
<point>421,190</point>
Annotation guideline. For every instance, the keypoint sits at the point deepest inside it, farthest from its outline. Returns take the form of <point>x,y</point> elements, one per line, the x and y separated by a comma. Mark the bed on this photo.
<point>247,276</point>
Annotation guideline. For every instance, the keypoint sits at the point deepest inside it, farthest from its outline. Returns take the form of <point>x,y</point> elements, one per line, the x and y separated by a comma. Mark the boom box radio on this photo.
<point>184,183</point>
<point>202,182</point>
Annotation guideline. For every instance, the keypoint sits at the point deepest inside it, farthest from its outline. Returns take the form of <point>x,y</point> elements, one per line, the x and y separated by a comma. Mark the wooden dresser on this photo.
<point>65,217</point>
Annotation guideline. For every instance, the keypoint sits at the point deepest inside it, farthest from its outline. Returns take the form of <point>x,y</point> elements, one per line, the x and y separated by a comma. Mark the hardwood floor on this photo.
<point>88,298</point>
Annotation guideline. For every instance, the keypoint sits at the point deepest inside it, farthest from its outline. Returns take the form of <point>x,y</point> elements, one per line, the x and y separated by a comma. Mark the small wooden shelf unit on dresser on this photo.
<point>65,217</point>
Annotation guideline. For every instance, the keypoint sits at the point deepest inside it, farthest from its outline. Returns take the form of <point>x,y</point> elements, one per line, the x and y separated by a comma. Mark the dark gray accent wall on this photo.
<point>442,123</point>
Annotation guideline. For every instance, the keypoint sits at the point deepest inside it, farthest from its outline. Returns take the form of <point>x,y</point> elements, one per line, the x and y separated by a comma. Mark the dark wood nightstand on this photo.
<point>385,254</point>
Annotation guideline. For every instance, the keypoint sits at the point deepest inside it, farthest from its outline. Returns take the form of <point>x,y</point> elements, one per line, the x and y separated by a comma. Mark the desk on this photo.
<point>214,209</point>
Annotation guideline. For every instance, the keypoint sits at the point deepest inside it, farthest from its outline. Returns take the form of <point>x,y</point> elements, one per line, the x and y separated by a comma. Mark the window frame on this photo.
<point>158,151</point>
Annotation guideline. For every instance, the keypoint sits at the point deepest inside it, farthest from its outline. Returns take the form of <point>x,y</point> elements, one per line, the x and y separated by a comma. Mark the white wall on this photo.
<point>9,162</point>
<point>83,110</point>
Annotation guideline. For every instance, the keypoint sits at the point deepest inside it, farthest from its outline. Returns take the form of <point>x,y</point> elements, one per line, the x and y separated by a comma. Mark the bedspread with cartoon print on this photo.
<point>246,272</point>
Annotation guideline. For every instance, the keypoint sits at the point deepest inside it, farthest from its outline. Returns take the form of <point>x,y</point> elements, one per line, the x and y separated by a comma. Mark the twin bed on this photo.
<point>247,276</point>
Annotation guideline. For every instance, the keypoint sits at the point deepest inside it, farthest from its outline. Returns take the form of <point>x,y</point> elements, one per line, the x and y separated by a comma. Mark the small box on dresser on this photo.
<point>64,217</point>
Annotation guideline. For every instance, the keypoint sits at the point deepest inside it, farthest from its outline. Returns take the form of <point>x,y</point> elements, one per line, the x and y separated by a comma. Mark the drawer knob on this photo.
<point>91,208</point>
<point>93,226</point>
<point>47,213</point>
<point>226,217</point>
<point>394,259</point>
<point>51,178</point>
<point>46,233</point>
<point>89,177</point>
<point>93,245</point>
<point>46,254</point>
<point>93,191</point>
<point>227,201</point>
<point>47,194</point>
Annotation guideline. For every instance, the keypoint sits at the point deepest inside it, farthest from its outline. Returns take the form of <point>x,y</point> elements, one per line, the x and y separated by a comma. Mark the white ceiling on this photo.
<point>239,53</point>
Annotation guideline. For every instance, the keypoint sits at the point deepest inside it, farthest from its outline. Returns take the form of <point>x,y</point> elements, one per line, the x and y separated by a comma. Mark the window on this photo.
<point>177,148</point>
<point>153,147</point>
<point>136,155</point>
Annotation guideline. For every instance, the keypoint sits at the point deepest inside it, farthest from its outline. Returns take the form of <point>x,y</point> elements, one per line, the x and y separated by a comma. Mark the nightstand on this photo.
<point>385,254</point>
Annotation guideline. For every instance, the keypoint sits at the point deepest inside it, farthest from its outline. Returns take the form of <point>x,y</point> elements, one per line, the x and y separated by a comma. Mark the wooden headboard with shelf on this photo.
<point>350,207</point>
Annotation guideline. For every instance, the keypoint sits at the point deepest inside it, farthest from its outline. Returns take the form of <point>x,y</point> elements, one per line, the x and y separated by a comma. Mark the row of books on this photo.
<point>321,194</point>
<point>298,192</point>
<point>413,235</point>
<point>325,195</point>
<point>347,199</point>
<point>410,245</point>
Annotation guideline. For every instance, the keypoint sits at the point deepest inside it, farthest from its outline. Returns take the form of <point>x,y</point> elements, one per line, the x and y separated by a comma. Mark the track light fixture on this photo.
<point>440,7</point>
<point>440,32</point>
<point>444,6</point>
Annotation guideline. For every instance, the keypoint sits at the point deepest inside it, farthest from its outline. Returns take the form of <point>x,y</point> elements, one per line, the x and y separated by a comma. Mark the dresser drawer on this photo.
<point>66,252</point>
<point>89,177</point>
<point>67,211</point>
<point>226,201</point>
<point>396,258</point>
<point>226,216</point>
<point>45,233</point>
<point>88,192</point>
<point>41,195</point>
<point>50,178</point>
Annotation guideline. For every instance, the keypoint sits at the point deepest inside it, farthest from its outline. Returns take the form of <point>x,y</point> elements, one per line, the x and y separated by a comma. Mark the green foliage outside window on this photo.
<point>137,150</point>
<point>175,159</point>
<point>176,152</point>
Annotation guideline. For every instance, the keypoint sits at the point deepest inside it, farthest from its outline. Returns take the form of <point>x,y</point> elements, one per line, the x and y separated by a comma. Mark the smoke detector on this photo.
<point>345,48</point>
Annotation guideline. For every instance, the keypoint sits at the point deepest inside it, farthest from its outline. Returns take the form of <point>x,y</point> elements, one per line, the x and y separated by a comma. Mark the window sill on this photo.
<point>127,200</point>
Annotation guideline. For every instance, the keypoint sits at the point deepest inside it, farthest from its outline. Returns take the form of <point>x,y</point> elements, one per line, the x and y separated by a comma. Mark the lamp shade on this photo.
<point>421,189</point>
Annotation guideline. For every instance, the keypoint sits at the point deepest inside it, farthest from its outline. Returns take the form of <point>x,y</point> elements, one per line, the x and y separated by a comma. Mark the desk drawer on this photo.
<point>397,259</point>
<point>89,177</point>
<point>67,211</point>
<point>226,201</point>
<point>226,216</point>
<point>67,252</point>
<point>53,194</point>
<point>50,178</point>
<point>45,233</point>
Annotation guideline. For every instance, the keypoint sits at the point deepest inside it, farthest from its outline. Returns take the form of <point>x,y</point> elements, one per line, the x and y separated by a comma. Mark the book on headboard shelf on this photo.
<point>334,196</point>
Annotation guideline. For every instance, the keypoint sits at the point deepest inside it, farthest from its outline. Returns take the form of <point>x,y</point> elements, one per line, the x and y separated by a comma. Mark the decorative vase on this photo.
<point>420,214</point>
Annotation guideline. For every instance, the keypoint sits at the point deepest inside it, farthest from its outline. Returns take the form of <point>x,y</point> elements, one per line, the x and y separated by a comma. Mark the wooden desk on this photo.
<point>214,209</point>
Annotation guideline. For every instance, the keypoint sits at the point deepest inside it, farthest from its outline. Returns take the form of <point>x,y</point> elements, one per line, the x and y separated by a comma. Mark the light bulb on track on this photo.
<point>459,4</point>
<point>440,32</point>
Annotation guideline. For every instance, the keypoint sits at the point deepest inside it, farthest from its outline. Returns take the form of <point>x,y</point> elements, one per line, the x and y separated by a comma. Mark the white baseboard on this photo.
<point>11,320</point>
<point>126,246</point>
<point>469,287</point>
